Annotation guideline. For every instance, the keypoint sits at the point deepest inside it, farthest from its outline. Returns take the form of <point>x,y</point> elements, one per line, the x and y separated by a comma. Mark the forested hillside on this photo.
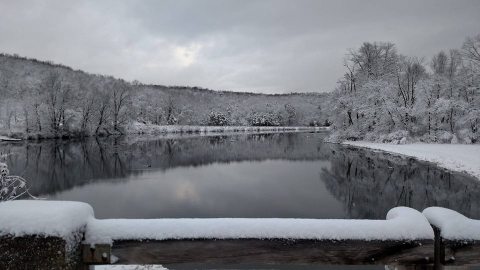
<point>388,97</point>
<point>42,99</point>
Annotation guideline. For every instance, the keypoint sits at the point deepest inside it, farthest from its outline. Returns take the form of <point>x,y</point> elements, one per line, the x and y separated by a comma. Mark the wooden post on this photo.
<point>97,254</point>
<point>439,249</point>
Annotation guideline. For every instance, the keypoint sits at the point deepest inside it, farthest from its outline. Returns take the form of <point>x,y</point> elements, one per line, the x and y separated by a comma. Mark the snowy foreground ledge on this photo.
<point>402,224</point>
<point>453,225</point>
<point>455,157</point>
<point>55,218</point>
<point>44,218</point>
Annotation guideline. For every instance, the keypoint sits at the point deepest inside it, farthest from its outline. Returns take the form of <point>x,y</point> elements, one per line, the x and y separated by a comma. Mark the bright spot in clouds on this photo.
<point>186,56</point>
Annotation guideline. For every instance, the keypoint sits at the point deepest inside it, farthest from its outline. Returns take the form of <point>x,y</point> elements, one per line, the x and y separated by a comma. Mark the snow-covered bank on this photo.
<point>402,224</point>
<point>455,157</point>
<point>139,128</point>
<point>453,225</point>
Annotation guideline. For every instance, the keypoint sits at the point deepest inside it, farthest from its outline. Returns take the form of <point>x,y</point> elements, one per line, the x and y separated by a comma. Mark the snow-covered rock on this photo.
<point>402,223</point>
<point>453,225</point>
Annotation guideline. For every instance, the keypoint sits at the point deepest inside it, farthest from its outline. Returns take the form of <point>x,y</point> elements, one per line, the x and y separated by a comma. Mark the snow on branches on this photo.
<point>11,187</point>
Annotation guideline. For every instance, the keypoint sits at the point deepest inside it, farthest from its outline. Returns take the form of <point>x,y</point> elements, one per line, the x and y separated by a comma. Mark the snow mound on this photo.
<point>45,218</point>
<point>455,157</point>
<point>453,225</point>
<point>402,223</point>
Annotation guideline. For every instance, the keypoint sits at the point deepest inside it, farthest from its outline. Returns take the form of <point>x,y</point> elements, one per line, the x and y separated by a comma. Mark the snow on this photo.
<point>455,157</point>
<point>402,224</point>
<point>129,267</point>
<point>68,219</point>
<point>453,225</point>
<point>45,218</point>
<point>140,128</point>
<point>5,138</point>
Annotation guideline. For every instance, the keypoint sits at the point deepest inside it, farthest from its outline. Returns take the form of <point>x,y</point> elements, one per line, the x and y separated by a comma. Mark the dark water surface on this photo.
<point>244,175</point>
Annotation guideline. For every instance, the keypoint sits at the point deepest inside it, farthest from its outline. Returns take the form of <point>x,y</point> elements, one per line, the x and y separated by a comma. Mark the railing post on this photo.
<point>439,249</point>
<point>97,254</point>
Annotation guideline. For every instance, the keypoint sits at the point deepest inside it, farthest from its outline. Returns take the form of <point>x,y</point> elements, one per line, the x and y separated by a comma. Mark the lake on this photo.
<point>286,175</point>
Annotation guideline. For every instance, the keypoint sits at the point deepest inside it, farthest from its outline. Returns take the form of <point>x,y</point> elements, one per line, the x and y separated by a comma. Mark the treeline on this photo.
<point>42,99</point>
<point>388,97</point>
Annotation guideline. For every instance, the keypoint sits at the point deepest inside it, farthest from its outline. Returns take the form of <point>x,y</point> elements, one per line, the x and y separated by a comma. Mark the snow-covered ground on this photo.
<point>140,128</point>
<point>455,157</point>
<point>453,225</point>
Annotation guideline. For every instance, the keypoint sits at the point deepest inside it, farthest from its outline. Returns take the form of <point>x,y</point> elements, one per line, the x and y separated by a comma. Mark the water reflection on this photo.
<point>370,183</point>
<point>261,175</point>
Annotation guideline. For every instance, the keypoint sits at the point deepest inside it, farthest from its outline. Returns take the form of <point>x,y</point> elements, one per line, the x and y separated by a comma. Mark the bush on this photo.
<point>445,137</point>
<point>396,137</point>
<point>217,119</point>
<point>467,136</point>
<point>264,119</point>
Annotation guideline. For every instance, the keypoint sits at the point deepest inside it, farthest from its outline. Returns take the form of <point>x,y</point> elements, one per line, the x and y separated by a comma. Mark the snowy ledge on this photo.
<point>455,157</point>
<point>402,224</point>
<point>66,219</point>
<point>453,225</point>
<point>44,218</point>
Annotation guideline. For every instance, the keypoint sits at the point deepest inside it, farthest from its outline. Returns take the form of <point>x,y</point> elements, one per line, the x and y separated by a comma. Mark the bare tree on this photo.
<point>120,97</point>
<point>471,49</point>
<point>57,96</point>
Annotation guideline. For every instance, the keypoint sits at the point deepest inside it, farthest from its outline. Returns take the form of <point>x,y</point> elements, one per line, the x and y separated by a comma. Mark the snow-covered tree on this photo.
<point>383,94</point>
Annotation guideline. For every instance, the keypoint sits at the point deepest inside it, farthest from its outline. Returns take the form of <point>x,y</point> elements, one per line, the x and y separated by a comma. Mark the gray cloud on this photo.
<point>270,46</point>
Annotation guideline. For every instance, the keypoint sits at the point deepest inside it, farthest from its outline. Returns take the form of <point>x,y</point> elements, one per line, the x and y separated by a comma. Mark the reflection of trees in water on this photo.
<point>367,183</point>
<point>370,183</point>
<point>51,166</point>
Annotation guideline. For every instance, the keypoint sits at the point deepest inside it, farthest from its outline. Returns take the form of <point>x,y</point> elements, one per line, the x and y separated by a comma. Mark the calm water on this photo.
<point>246,175</point>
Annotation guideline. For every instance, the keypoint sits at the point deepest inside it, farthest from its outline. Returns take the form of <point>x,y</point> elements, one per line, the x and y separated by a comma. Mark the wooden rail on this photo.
<point>272,251</point>
<point>455,252</point>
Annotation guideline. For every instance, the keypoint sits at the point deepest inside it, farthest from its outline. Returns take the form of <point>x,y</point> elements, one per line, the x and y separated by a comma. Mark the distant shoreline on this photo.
<point>144,129</point>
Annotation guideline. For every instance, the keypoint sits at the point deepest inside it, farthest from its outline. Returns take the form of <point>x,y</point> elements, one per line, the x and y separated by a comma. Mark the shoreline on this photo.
<point>154,130</point>
<point>459,158</point>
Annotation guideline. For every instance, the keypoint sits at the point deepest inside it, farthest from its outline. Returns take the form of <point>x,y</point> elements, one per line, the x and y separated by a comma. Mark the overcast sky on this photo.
<point>257,46</point>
